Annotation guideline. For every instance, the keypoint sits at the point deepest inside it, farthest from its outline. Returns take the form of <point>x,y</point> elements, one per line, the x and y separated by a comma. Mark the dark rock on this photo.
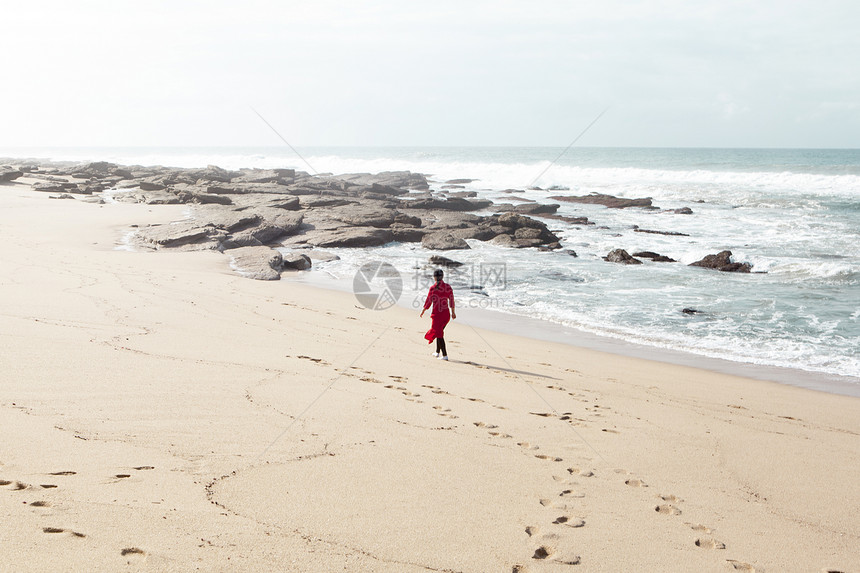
<point>459,181</point>
<point>621,256</point>
<point>9,174</point>
<point>441,261</point>
<point>63,196</point>
<point>606,200</point>
<point>722,262</point>
<point>531,208</point>
<point>443,241</point>
<point>296,261</point>
<point>691,311</point>
<point>452,187</point>
<point>669,233</point>
<point>654,257</point>
<point>681,211</point>
<point>571,252</point>
<point>570,220</point>
<point>61,186</point>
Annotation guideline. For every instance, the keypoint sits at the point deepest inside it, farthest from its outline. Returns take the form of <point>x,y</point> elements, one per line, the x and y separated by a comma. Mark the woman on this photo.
<point>441,297</point>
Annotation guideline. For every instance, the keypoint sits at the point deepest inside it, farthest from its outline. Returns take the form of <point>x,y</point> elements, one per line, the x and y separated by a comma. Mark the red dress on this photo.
<point>441,297</point>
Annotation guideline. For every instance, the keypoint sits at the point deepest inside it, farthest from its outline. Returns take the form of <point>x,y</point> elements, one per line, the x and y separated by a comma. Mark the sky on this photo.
<point>764,73</point>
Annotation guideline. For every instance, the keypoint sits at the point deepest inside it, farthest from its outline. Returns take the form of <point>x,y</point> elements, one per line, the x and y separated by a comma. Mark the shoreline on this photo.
<point>537,329</point>
<point>160,412</point>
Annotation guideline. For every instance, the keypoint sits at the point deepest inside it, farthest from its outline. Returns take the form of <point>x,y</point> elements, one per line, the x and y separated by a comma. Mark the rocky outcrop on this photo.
<point>9,174</point>
<point>606,200</point>
<point>722,261</point>
<point>621,256</point>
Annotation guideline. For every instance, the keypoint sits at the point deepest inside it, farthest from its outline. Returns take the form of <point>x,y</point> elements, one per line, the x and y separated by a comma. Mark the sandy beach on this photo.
<point>161,413</point>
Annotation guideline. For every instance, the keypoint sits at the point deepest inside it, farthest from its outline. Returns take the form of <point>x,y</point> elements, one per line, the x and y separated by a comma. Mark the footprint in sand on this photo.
<point>700,528</point>
<point>483,425</point>
<point>500,435</point>
<point>47,486</point>
<point>670,498</point>
<point>553,554</point>
<point>64,473</point>
<point>636,483</point>
<point>709,543</point>
<point>550,458</point>
<point>40,504</point>
<point>571,493</point>
<point>667,510</point>
<point>580,472</point>
<point>610,431</point>
<point>141,468</point>
<point>741,566</point>
<point>528,446</point>
<point>569,521</point>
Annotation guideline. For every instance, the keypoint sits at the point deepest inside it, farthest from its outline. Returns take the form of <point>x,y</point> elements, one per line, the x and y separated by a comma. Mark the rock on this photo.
<point>606,200</point>
<point>691,311</point>
<point>571,252</point>
<point>9,174</point>
<point>449,204</point>
<point>364,216</point>
<point>621,256</point>
<point>55,187</point>
<point>404,219</point>
<point>203,198</point>
<point>459,181</point>
<point>443,241</point>
<point>176,234</point>
<point>570,220</point>
<point>151,185</point>
<point>681,211</point>
<point>535,208</point>
<point>654,257</point>
<point>441,261</point>
<point>296,261</point>
<point>504,240</point>
<point>311,202</point>
<point>722,262</point>
<point>407,234</point>
<point>669,233</point>
<point>259,263</point>
<point>63,196</point>
<point>323,256</point>
<point>355,237</point>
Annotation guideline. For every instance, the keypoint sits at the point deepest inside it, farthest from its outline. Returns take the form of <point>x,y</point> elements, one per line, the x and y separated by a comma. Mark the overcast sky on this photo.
<point>714,73</point>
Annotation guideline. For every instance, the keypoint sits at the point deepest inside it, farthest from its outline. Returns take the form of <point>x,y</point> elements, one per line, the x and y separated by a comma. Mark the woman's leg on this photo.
<point>440,344</point>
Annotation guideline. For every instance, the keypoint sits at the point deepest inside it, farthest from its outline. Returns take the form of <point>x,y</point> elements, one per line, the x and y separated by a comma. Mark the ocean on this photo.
<point>794,214</point>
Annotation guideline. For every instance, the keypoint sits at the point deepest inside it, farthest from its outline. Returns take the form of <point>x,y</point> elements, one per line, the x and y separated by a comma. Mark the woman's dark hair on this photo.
<point>438,274</point>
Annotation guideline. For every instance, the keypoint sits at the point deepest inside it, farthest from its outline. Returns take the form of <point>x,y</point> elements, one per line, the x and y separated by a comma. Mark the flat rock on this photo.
<point>354,237</point>
<point>259,263</point>
<point>606,200</point>
<point>657,258</point>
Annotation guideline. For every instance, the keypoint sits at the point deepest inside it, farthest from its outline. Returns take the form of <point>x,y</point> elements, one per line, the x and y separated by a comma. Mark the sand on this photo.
<point>160,413</point>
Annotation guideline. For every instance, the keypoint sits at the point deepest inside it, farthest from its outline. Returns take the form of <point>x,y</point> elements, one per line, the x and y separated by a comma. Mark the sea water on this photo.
<point>793,214</point>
